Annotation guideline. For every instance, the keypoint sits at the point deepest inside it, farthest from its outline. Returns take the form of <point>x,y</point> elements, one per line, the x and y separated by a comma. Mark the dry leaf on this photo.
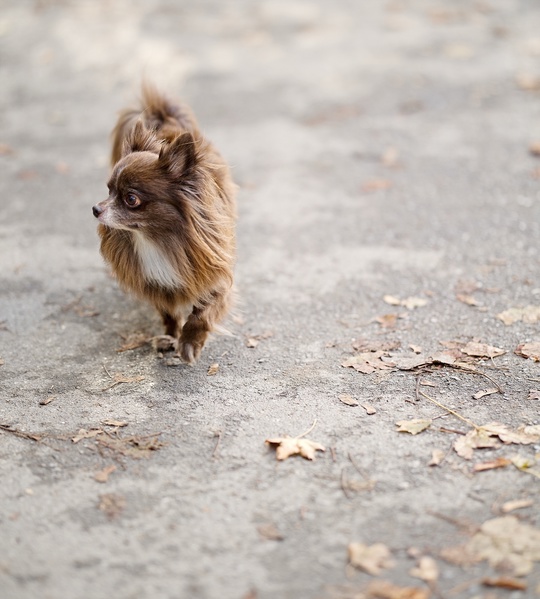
<point>213,369</point>
<point>498,463</point>
<point>382,589</point>
<point>367,362</point>
<point>410,303</point>
<point>270,532</point>
<point>529,315</point>
<point>387,321</point>
<point>117,423</point>
<point>133,341</point>
<point>112,504</point>
<point>348,399</point>
<point>414,426</point>
<point>375,185</point>
<point>46,401</point>
<point>409,362</point>
<point>509,436</point>
<point>468,299</point>
<point>525,465</point>
<point>507,543</point>
<point>503,582</point>
<point>416,348</point>
<point>484,392</point>
<point>252,342</point>
<point>288,446</point>
<point>516,504</point>
<point>366,345</point>
<point>426,569</point>
<point>84,434</point>
<point>529,350</point>
<point>482,350</point>
<point>475,439</point>
<point>120,378</point>
<point>372,559</point>
<point>437,456</point>
<point>370,410</point>
<point>534,394</point>
<point>103,475</point>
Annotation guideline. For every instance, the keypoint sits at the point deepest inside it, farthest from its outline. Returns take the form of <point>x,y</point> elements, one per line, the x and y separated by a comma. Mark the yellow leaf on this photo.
<point>414,426</point>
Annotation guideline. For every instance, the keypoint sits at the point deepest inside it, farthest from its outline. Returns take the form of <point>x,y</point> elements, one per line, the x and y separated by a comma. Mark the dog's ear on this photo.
<point>139,139</point>
<point>180,156</point>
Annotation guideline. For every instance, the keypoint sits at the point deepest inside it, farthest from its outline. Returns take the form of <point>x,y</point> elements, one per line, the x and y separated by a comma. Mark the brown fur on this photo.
<point>186,214</point>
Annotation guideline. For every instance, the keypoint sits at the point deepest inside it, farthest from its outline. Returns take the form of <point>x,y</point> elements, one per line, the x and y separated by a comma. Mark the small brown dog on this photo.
<point>168,226</point>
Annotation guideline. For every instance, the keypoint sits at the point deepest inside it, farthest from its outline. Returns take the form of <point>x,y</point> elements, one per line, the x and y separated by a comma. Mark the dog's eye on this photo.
<point>132,200</point>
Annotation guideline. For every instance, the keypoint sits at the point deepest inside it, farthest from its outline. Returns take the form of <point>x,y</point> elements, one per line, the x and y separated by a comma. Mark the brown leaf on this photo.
<point>529,315</point>
<point>213,369</point>
<point>120,378</point>
<point>252,342</point>
<point>134,341</point>
<point>288,446</point>
<point>84,434</point>
<point>506,542</point>
<point>516,504</point>
<point>414,426</point>
<point>475,439</point>
<point>426,569</point>
<point>482,350</point>
<point>370,410</point>
<point>415,348</point>
<point>469,300</point>
<point>117,423</point>
<point>504,582</point>
<point>103,475</point>
<point>484,392</point>
<point>507,435</point>
<point>270,532</point>
<point>112,504</point>
<point>381,589</point>
<point>367,362</point>
<point>372,559</point>
<point>46,401</point>
<point>498,463</point>
<point>348,399</point>
<point>437,456</point>
<point>529,350</point>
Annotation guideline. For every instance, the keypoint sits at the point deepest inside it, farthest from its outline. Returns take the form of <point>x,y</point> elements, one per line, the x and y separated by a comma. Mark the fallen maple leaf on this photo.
<point>382,589</point>
<point>288,446</point>
<point>529,315</point>
<point>509,436</point>
<point>529,350</point>
<point>507,542</point>
<point>414,426</point>
<point>370,410</point>
<point>372,559</point>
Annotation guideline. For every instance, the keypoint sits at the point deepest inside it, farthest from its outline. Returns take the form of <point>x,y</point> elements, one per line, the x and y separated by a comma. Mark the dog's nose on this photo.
<point>97,210</point>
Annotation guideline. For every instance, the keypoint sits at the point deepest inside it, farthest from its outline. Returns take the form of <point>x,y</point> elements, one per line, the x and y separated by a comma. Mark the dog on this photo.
<point>167,228</point>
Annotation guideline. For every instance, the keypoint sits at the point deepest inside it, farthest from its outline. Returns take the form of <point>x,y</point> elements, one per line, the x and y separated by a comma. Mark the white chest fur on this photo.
<point>155,265</point>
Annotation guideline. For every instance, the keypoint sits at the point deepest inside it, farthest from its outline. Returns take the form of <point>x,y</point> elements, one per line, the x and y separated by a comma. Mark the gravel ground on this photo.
<point>381,149</point>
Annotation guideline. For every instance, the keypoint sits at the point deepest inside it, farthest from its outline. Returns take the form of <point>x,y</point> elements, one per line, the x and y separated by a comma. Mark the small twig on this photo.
<point>108,373</point>
<point>360,471</point>
<point>469,422</point>
<point>480,373</point>
<point>533,380</point>
<point>444,429</point>
<point>219,434</point>
<point>308,430</point>
<point>8,429</point>
<point>417,390</point>
<point>343,482</point>
<point>469,527</point>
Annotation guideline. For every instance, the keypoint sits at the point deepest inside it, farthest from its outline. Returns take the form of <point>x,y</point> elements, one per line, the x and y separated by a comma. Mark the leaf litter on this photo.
<point>372,559</point>
<point>288,446</point>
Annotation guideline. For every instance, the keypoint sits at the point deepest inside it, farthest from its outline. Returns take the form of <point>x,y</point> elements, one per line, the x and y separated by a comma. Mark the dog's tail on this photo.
<point>164,116</point>
<point>158,114</point>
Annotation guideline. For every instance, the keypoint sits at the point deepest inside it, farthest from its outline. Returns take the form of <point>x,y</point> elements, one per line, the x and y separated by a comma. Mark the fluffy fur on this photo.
<point>167,228</point>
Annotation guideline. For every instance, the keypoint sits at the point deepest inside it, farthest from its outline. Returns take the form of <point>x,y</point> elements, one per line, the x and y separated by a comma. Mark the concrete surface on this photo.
<point>381,148</point>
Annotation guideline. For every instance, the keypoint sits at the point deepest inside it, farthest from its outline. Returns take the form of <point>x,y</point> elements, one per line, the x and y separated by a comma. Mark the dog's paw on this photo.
<point>163,343</point>
<point>189,352</point>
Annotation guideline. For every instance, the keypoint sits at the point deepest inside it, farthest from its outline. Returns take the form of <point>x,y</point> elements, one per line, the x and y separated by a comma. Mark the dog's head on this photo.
<point>145,183</point>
